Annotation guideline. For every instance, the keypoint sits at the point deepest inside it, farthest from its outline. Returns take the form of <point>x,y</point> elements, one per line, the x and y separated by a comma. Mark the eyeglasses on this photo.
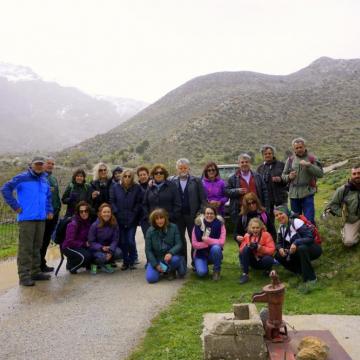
<point>83,211</point>
<point>211,170</point>
<point>126,176</point>
<point>251,202</point>
<point>158,173</point>
<point>102,170</point>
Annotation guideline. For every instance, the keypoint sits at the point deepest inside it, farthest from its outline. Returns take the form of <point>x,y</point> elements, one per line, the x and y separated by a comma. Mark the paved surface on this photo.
<point>80,316</point>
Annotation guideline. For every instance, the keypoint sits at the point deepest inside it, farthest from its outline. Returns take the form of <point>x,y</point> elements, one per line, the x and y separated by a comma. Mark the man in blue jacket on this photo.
<point>33,206</point>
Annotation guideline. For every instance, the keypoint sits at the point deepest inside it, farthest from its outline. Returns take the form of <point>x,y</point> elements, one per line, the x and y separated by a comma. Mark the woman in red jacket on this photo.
<point>256,250</point>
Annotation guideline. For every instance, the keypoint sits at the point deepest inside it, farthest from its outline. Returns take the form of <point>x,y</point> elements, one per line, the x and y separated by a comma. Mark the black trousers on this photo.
<point>49,228</point>
<point>300,262</point>
<point>186,223</point>
<point>77,258</point>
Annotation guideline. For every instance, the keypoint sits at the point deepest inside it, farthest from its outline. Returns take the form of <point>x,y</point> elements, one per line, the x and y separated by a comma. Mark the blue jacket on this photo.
<point>126,204</point>
<point>33,195</point>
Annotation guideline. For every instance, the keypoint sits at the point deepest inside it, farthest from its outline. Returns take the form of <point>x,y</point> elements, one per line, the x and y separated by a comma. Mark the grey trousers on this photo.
<point>31,235</point>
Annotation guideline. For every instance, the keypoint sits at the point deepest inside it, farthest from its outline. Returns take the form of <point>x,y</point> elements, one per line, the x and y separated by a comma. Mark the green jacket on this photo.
<point>348,207</point>
<point>159,243</point>
<point>55,194</point>
<point>304,183</point>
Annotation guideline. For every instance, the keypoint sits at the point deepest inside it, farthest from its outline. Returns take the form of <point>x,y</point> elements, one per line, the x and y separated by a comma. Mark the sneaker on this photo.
<point>107,268</point>
<point>132,267</point>
<point>113,265</point>
<point>74,272</point>
<point>124,267</point>
<point>93,269</point>
<point>216,275</point>
<point>27,282</point>
<point>46,269</point>
<point>40,277</point>
<point>171,275</point>
<point>244,278</point>
<point>137,262</point>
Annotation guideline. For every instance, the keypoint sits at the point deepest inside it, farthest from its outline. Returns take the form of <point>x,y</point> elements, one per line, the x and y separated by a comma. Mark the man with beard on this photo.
<point>346,203</point>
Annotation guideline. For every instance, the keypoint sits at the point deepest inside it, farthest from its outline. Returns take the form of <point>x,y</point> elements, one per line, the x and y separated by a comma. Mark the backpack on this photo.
<point>60,230</point>
<point>314,230</point>
<point>313,160</point>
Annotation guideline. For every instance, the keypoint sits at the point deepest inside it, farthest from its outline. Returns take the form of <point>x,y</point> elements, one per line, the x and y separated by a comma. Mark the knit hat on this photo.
<point>284,209</point>
<point>117,169</point>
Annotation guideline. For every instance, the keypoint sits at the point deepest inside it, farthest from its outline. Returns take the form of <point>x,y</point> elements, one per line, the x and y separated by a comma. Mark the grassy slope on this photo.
<point>175,333</point>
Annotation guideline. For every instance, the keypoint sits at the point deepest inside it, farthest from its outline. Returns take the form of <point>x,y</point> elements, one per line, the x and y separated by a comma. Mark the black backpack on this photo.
<point>60,230</point>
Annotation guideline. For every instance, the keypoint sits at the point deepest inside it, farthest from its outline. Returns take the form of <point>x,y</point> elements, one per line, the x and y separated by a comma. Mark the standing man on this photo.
<point>346,203</point>
<point>242,182</point>
<point>192,196</point>
<point>300,172</point>
<point>33,206</point>
<point>56,204</point>
<point>143,174</point>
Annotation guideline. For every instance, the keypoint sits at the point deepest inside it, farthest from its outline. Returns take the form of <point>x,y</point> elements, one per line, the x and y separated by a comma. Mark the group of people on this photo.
<point>105,213</point>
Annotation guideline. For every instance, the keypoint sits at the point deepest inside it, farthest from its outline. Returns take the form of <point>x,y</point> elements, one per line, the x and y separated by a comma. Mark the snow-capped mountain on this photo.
<point>17,72</point>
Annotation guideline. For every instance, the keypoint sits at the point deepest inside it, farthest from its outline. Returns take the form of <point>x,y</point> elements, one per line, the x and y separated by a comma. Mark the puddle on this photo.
<point>8,268</point>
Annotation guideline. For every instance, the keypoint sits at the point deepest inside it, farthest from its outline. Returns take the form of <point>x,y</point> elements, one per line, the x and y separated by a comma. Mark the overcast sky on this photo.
<point>142,49</point>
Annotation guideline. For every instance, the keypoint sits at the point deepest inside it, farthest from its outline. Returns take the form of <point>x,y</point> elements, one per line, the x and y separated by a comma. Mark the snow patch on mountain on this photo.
<point>17,73</point>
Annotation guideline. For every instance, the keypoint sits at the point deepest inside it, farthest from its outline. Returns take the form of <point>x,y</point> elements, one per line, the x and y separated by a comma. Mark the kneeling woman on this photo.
<point>208,239</point>
<point>256,250</point>
<point>163,248</point>
<point>104,239</point>
<point>295,245</point>
<point>75,246</point>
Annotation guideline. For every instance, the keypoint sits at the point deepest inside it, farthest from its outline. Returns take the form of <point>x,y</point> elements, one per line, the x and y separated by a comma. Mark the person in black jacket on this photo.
<point>162,194</point>
<point>242,182</point>
<point>143,175</point>
<point>100,186</point>
<point>295,246</point>
<point>271,170</point>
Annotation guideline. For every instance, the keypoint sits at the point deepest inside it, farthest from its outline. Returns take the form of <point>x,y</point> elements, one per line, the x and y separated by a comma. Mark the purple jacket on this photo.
<point>215,191</point>
<point>76,233</point>
<point>103,236</point>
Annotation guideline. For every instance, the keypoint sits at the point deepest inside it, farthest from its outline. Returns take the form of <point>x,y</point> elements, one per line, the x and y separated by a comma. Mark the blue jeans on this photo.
<point>128,245</point>
<point>100,256</point>
<point>247,259</point>
<point>215,257</point>
<point>177,263</point>
<point>304,206</point>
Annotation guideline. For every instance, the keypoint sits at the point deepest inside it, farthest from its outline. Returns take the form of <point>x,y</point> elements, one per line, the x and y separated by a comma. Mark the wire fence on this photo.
<point>9,232</point>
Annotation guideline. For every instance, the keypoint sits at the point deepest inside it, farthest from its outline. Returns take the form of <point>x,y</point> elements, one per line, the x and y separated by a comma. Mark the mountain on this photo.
<point>217,116</point>
<point>36,115</point>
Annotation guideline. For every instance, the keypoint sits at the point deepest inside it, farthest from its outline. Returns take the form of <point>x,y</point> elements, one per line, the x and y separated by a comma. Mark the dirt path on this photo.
<point>80,316</point>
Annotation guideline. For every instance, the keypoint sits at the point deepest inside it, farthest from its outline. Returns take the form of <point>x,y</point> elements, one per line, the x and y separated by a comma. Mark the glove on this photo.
<point>253,246</point>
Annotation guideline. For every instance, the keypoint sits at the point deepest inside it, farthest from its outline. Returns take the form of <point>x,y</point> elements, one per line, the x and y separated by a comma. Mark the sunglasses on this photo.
<point>211,170</point>
<point>102,170</point>
<point>251,202</point>
<point>83,211</point>
<point>126,176</point>
<point>158,173</point>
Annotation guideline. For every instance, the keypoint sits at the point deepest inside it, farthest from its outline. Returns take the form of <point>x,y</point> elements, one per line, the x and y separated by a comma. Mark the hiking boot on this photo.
<point>137,262</point>
<point>93,269</point>
<point>40,277</point>
<point>73,272</point>
<point>171,275</point>
<point>244,278</point>
<point>27,282</point>
<point>46,269</point>
<point>107,268</point>
<point>216,275</point>
<point>132,267</point>
<point>124,267</point>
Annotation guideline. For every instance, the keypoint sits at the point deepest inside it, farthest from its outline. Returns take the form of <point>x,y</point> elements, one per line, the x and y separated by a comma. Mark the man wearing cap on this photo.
<point>33,206</point>
<point>56,204</point>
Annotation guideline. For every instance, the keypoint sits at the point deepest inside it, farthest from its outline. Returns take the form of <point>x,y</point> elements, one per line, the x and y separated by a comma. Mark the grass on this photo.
<point>8,240</point>
<point>175,332</point>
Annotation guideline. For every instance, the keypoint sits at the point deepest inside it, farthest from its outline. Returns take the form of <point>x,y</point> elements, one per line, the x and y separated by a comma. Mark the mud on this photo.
<point>79,316</point>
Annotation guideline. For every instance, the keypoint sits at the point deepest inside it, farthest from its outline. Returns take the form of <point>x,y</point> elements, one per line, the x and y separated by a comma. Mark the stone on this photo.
<point>241,311</point>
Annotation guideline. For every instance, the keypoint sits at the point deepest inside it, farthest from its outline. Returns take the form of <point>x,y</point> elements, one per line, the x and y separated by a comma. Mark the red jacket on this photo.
<point>267,245</point>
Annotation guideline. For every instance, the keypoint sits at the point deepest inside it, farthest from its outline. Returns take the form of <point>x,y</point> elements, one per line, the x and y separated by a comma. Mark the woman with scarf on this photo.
<point>75,246</point>
<point>214,187</point>
<point>208,239</point>
<point>295,246</point>
<point>163,248</point>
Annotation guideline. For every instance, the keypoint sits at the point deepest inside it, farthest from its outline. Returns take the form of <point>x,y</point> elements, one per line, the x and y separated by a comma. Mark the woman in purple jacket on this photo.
<point>104,240</point>
<point>214,187</point>
<point>75,246</point>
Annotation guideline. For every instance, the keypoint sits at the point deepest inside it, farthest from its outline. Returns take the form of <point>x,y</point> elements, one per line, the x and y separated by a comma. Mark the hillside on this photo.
<point>44,116</point>
<point>218,115</point>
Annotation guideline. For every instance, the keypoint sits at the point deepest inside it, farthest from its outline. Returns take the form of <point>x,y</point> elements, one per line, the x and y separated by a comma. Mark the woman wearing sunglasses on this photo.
<point>75,246</point>
<point>251,208</point>
<point>125,200</point>
<point>162,194</point>
<point>214,187</point>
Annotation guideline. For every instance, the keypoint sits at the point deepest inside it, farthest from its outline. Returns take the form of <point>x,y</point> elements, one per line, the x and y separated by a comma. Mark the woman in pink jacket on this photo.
<point>256,249</point>
<point>208,239</point>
